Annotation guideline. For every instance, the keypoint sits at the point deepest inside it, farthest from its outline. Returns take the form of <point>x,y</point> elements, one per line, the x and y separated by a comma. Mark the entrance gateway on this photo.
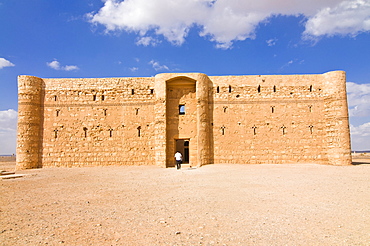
<point>182,145</point>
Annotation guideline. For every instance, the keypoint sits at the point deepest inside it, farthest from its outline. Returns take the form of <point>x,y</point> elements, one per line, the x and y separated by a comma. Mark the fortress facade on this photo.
<point>209,119</point>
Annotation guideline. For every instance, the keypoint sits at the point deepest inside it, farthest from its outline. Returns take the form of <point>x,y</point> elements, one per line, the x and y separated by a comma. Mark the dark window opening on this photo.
<point>102,97</point>
<point>139,131</point>
<point>186,152</point>
<point>310,88</point>
<point>274,88</point>
<point>223,130</point>
<point>132,91</point>
<point>311,128</point>
<point>283,128</point>
<point>110,132</point>
<point>105,112</point>
<point>55,98</point>
<point>85,130</point>
<point>94,97</point>
<point>254,130</point>
<point>310,108</point>
<point>225,107</point>
<point>151,91</point>
<point>58,110</point>
<point>259,89</point>
<point>137,111</point>
<point>229,88</point>
<point>181,109</point>
<point>55,133</point>
<point>272,109</point>
<point>218,89</point>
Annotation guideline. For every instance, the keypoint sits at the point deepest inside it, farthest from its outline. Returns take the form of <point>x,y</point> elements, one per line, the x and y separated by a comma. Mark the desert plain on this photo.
<point>292,204</point>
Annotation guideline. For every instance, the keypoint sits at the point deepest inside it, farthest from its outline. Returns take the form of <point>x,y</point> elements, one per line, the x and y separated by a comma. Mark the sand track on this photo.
<point>214,205</point>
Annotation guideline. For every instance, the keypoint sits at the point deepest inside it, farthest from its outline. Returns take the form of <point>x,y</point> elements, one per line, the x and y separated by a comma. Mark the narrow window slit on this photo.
<point>55,133</point>
<point>311,128</point>
<point>132,91</point>
<point>254,127</point>
<point>110,132</point>
<point>218,89</point>
<point>85,130</point>
<point>283,128</point>
<point>229,88</point>
<point>139,131</point>
<point>274,88</point>
<point>223,130</point>
<point>259,89</point>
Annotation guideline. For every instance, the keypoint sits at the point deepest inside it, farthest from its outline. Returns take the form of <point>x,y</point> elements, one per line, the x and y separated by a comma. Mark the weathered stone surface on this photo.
<point>227,119</point>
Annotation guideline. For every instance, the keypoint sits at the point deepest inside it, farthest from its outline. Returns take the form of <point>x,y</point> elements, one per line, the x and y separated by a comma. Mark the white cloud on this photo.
<point>157,66</point>
<point>227,21</point>
<point>56,65</point>
<point>8,131</point>
<point>271,42</point>
<point>133,69</point>
<point>358,96</point>
<point>146,41</point>
<point>362,130</point>
<point>360,136</point>
<point>5,63</point>
<point>70,67</point>
<point>346,18</point>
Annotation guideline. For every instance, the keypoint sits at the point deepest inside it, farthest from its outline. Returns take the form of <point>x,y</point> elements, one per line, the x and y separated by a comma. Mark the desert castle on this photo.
<point>209,119</point>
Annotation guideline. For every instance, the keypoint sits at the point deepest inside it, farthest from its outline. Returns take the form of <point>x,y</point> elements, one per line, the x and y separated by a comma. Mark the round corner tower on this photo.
<point>30,118</point>
<point>338,133</point>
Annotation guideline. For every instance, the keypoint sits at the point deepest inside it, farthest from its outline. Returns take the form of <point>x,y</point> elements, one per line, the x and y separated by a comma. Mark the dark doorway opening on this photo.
<point>182,145</point>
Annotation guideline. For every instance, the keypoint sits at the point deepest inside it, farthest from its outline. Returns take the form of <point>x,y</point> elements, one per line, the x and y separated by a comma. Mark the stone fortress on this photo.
<point>209,119</point>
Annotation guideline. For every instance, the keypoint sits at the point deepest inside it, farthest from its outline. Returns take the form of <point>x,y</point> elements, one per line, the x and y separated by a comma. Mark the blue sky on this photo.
<point>140,38</point>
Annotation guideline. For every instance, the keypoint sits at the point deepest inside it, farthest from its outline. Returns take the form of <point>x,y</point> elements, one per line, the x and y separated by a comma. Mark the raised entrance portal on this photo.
<point>181,118</point>
<point>183,113</point>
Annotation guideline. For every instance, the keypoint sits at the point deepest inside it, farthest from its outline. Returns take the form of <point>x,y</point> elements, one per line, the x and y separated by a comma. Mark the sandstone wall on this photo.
<point>89,122</point>
<point>228,119</point>
<point>281,119</point>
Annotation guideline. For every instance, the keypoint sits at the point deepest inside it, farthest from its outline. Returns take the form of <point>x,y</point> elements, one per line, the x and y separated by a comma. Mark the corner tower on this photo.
<point>30,118</point>
<point>336,116</point>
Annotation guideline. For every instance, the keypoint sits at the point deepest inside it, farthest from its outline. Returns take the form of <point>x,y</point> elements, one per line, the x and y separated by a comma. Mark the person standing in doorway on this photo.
<point>178,158</point>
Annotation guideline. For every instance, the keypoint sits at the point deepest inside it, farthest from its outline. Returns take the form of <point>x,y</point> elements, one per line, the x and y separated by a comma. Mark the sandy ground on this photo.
<point>214,205</point>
